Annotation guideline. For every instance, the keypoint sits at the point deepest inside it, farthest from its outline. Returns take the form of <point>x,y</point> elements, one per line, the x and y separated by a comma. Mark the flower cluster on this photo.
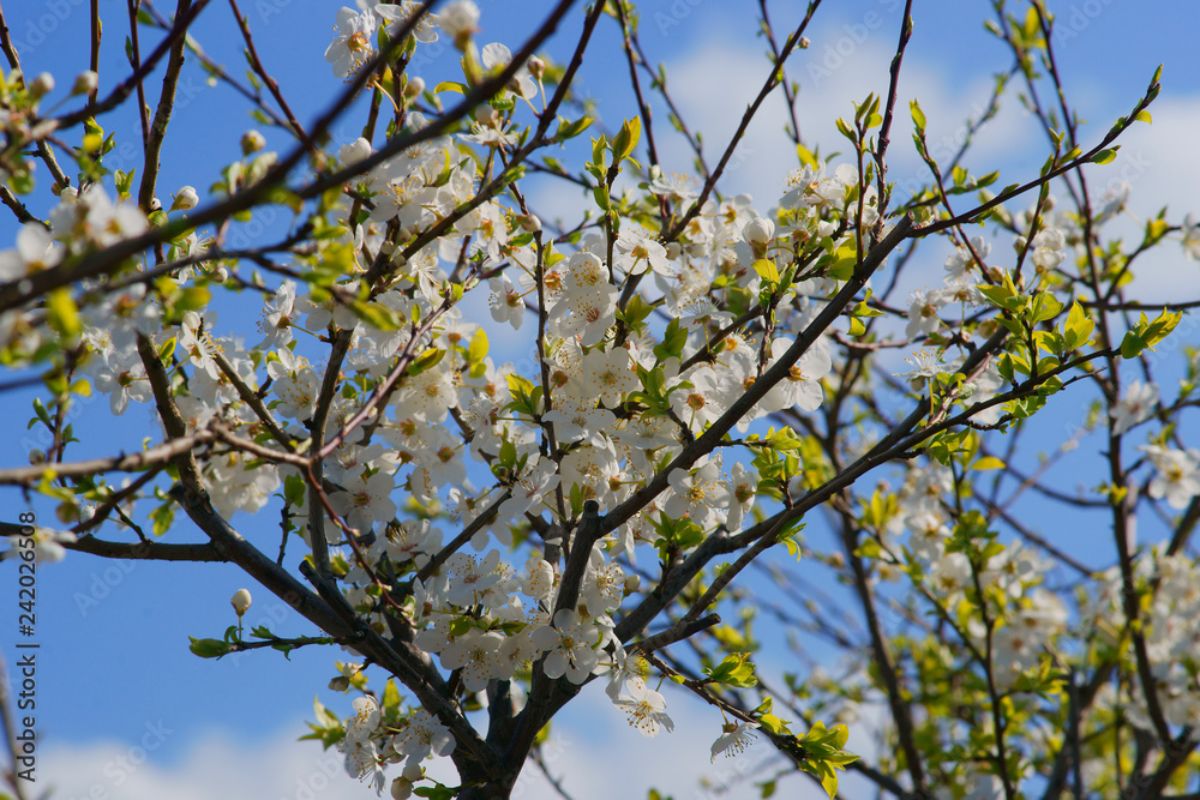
<point>510,449</point>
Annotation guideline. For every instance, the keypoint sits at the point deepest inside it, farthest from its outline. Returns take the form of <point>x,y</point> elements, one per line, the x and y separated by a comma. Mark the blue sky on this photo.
<point>114,655</point>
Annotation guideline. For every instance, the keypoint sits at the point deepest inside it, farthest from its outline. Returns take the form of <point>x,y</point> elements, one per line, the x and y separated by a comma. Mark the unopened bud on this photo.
<point>185,199</point>
<point>85,82</point>
<point>402,789</point>
<point>42,85</point>
<point>758,233</point>
<point>487,115</point>
<point>537,67</point>
<point>252,142</point>
<point>241,601</point>
<point>415,86</point>
<point>67,513</point>
<point>357,150</point>
<point>460,21</point>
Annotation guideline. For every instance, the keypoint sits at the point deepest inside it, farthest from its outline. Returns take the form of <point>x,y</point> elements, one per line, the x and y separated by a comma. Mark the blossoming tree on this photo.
<point>476,542</point>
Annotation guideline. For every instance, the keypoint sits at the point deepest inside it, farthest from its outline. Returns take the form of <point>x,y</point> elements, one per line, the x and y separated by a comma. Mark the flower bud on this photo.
<point>758,233</point>
<point>537,67</point>
<point>460,21</point>
<point>85,82</point>
<point>68,512</point>
<point>252,142</point>
<point>42,85</point>
<point>357,150</point>
<point>487,115</point>
<point>401,789</point>
<point>631,583</point>
<point>241,601</point>
<point>529,222</point>
<point>415,86</point>
<point>185,199</point>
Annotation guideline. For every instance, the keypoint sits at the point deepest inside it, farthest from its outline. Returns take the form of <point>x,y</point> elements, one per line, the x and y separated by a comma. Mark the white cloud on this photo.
<point>214,766</point>
<point>1154,161</point>
<point>595,754</point>
<point>714,83</point>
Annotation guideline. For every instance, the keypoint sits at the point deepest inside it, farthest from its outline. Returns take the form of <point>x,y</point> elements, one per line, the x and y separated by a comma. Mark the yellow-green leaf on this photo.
<point>767,270</point>
<point>63,314</point>
<point>918,116</point>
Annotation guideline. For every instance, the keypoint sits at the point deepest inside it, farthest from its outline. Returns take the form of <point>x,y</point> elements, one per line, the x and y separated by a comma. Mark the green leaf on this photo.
<point>1147,334</point>
<point>208,648</point>
<point>735,670</point>
<point>193,298</point>
<point>635,313</point>
<point>1045,307</point>
<point>845,129</point>
<point>426,360</point>
<point>376,315</point>
<point>1079,327</point>
<point>162,517</point>
<point>294,490</point>
<point>918,116</point>
<point>845,259</point>
<point>674,339</point>
<point>1132,344</point>
<point>626,139</point>
<point>569,130</point>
